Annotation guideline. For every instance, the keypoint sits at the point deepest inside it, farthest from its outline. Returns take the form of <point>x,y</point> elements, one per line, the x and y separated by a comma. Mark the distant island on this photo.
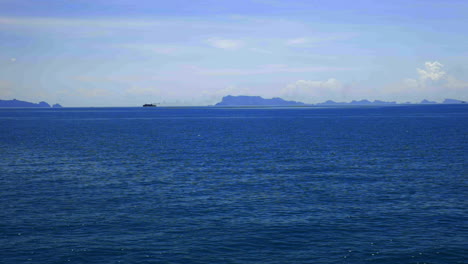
<point>18,103</point>
<point>378,102</point>
<point>244,100</point>
<point>360,102</point>
<point>453,101</point>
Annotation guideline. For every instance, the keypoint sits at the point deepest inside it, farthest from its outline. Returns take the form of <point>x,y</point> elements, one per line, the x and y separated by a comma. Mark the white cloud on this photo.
<point>433,76</point>
<point>433,71</point>
<point>315,91</point>
<point>432,83</point>
<point>227,44</point>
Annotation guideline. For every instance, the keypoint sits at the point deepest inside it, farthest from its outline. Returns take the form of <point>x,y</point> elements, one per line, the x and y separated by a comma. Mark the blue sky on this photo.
<point>126,53</point>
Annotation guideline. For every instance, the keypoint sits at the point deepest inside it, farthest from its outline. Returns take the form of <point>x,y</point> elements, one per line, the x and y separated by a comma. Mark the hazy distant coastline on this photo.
<point>244,100</point>
<point>18,103</point>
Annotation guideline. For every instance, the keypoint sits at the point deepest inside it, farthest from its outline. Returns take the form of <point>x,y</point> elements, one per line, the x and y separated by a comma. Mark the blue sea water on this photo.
<point>230,185</point>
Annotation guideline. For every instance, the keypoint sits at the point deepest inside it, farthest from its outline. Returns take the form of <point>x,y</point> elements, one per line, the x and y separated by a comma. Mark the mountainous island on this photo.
<point>18,103</point>
<point>244,100</point>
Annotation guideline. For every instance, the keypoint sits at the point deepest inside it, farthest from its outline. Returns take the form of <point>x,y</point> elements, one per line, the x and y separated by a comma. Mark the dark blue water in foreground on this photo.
<point>204,185</point>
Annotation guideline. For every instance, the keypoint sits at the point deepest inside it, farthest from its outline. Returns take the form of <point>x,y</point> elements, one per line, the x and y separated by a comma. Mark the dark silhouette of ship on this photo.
<point>149,105</point>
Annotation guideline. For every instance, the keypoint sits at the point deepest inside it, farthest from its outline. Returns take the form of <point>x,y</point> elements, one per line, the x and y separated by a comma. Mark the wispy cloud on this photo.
<point>107,58</point>
<point>78,22</point>
<point>268,69</point>
<point>297,41</point>
<point>154,48</point>
<point>227,44</point>
<point>319,38</point>
<point>331,83</point>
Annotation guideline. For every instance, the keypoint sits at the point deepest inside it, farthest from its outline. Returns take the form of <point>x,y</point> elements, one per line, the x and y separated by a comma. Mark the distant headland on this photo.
<point>244,100</point>
<point>18,103</point>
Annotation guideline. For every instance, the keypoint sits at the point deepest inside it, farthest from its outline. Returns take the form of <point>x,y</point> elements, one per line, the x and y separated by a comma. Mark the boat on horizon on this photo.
<point>149,105</point>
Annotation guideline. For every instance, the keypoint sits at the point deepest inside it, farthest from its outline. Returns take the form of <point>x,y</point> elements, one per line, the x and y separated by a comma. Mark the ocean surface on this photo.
<point>234,185</point>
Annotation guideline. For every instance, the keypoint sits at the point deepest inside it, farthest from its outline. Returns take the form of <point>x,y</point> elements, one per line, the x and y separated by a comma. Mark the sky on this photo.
<point>83,53</point>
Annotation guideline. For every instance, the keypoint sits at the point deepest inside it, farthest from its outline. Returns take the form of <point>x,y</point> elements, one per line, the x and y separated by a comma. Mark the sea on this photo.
<point>375,184</point>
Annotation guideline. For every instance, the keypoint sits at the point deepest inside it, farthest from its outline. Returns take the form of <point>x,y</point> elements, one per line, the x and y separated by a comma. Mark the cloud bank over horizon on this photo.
<point>81,54</point>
